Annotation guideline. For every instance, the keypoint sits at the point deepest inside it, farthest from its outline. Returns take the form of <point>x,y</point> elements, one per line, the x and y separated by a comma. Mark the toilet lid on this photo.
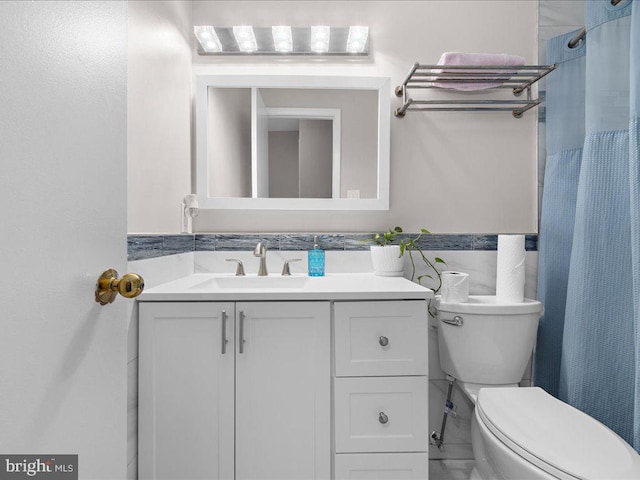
<point>554,436</point>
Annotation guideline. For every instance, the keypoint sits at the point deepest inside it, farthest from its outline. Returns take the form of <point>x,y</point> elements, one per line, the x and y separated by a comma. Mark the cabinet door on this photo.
<point>283,388</point>
<point>381,338</point>
<point>186,412</point>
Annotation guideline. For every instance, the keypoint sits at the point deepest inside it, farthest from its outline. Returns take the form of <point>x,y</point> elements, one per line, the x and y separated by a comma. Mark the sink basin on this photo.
<point>253,282</point>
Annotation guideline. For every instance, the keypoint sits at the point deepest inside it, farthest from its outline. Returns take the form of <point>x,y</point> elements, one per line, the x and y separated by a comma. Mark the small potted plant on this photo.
<point>388,256</point>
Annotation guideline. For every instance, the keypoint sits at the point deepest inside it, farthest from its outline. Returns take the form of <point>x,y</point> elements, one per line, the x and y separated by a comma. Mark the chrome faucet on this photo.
<point>261,251</point>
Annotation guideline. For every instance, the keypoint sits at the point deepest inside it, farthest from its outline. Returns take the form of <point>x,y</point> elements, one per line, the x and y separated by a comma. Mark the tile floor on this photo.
<point>450,469</point>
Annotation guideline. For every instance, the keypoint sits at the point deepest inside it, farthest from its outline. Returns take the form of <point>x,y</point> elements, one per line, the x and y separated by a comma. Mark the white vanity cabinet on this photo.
<point>257,406</point>
<point>305,378</point>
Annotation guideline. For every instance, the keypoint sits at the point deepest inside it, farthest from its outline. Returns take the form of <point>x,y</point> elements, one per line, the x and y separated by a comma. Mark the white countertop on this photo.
<point>228,287</point>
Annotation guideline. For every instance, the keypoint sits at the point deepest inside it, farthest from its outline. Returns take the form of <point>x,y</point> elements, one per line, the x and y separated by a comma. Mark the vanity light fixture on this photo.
<point>208,38</point>
<point>357,40</point>
<point>245,38</point>
<point>282,39</point>
<point>320,39</point>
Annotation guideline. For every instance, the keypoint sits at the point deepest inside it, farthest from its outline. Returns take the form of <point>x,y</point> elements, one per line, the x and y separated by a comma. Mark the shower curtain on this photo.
<point>588,350</point>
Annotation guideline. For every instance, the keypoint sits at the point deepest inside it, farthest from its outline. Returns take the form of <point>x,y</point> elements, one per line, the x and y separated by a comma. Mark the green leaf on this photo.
<point>439,260</point>
<point>402,247</point>
<point>424,230</point>
<point>398,229</point>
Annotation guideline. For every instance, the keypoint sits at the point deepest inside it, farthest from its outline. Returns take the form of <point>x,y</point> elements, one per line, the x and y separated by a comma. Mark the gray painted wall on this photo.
<point>316,158</point>
<point>230,136</point>
<point>159,113</point>
<point>284,167</point>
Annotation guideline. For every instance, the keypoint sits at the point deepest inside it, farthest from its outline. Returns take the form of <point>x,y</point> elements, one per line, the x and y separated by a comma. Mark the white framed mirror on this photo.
<point>292,142</point>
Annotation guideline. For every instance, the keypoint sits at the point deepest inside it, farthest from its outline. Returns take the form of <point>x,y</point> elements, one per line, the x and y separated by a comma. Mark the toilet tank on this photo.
<point>481,341</point>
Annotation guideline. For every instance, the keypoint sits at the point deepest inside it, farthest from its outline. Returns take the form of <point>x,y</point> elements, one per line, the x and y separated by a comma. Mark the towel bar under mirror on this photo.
<point>445,77</point>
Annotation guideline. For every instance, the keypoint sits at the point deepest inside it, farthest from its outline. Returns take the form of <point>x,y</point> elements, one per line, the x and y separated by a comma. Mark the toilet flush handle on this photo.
<point>455,321</point>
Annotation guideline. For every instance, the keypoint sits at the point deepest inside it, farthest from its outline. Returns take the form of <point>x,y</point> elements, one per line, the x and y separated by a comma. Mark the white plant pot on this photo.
<point>387,261</point>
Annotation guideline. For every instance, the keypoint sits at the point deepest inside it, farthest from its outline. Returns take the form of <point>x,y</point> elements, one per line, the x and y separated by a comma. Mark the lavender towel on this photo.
<point>480,59</point>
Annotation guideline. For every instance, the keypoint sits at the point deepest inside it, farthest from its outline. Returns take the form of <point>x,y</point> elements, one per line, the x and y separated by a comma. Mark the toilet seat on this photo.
<point>554,436</point>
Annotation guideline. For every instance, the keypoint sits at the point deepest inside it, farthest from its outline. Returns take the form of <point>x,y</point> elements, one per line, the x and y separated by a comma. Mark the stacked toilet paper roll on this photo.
<point>455,287</point>
<point>511,269</point>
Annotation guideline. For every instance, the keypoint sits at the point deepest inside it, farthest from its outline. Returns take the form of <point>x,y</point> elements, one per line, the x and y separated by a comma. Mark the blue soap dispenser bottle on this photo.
<point>316,260</point>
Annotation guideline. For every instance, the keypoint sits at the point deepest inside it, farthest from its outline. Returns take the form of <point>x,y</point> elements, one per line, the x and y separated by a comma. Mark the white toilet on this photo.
<point>521,433</point>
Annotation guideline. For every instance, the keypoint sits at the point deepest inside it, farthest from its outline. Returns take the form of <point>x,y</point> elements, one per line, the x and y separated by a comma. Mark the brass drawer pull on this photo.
<point>382,418</point>
<point>383,341</point>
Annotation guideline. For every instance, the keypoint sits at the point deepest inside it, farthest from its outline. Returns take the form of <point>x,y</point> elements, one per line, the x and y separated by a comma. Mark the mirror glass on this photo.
<point>302,162</point>
<point>272,142</point>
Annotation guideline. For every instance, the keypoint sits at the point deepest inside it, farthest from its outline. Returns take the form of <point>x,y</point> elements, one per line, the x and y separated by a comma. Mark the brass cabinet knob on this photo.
<point>383,418</point>
<point>109,285</point>
<point>383,341</point>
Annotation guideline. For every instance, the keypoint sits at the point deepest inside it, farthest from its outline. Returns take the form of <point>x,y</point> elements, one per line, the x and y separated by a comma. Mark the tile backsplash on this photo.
<point>152,246</point>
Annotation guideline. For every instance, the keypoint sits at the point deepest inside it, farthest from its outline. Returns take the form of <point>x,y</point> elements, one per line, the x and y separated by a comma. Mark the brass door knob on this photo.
<point>109,285</point>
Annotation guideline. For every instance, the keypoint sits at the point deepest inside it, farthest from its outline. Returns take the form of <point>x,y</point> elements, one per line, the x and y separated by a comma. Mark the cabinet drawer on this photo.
<point>381,338</point>
<point>382,414</point>
<point>375,466</point>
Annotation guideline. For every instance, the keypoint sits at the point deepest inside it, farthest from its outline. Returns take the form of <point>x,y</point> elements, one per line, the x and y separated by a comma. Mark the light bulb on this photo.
<point>207,38</point>
<point>320,39</point>
<point>282,39</point>
<point>245,38</point>
<point>357,39</point>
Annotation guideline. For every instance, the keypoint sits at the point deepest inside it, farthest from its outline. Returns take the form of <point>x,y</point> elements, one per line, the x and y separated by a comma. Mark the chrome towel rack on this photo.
<point>445,77</point>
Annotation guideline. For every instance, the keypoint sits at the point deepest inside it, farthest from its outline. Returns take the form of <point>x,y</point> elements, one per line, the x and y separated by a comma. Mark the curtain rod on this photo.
<point>583,31</point>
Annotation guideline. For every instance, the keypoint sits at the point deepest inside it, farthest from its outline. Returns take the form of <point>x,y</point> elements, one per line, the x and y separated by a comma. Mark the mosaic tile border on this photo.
<point>151,246</point>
